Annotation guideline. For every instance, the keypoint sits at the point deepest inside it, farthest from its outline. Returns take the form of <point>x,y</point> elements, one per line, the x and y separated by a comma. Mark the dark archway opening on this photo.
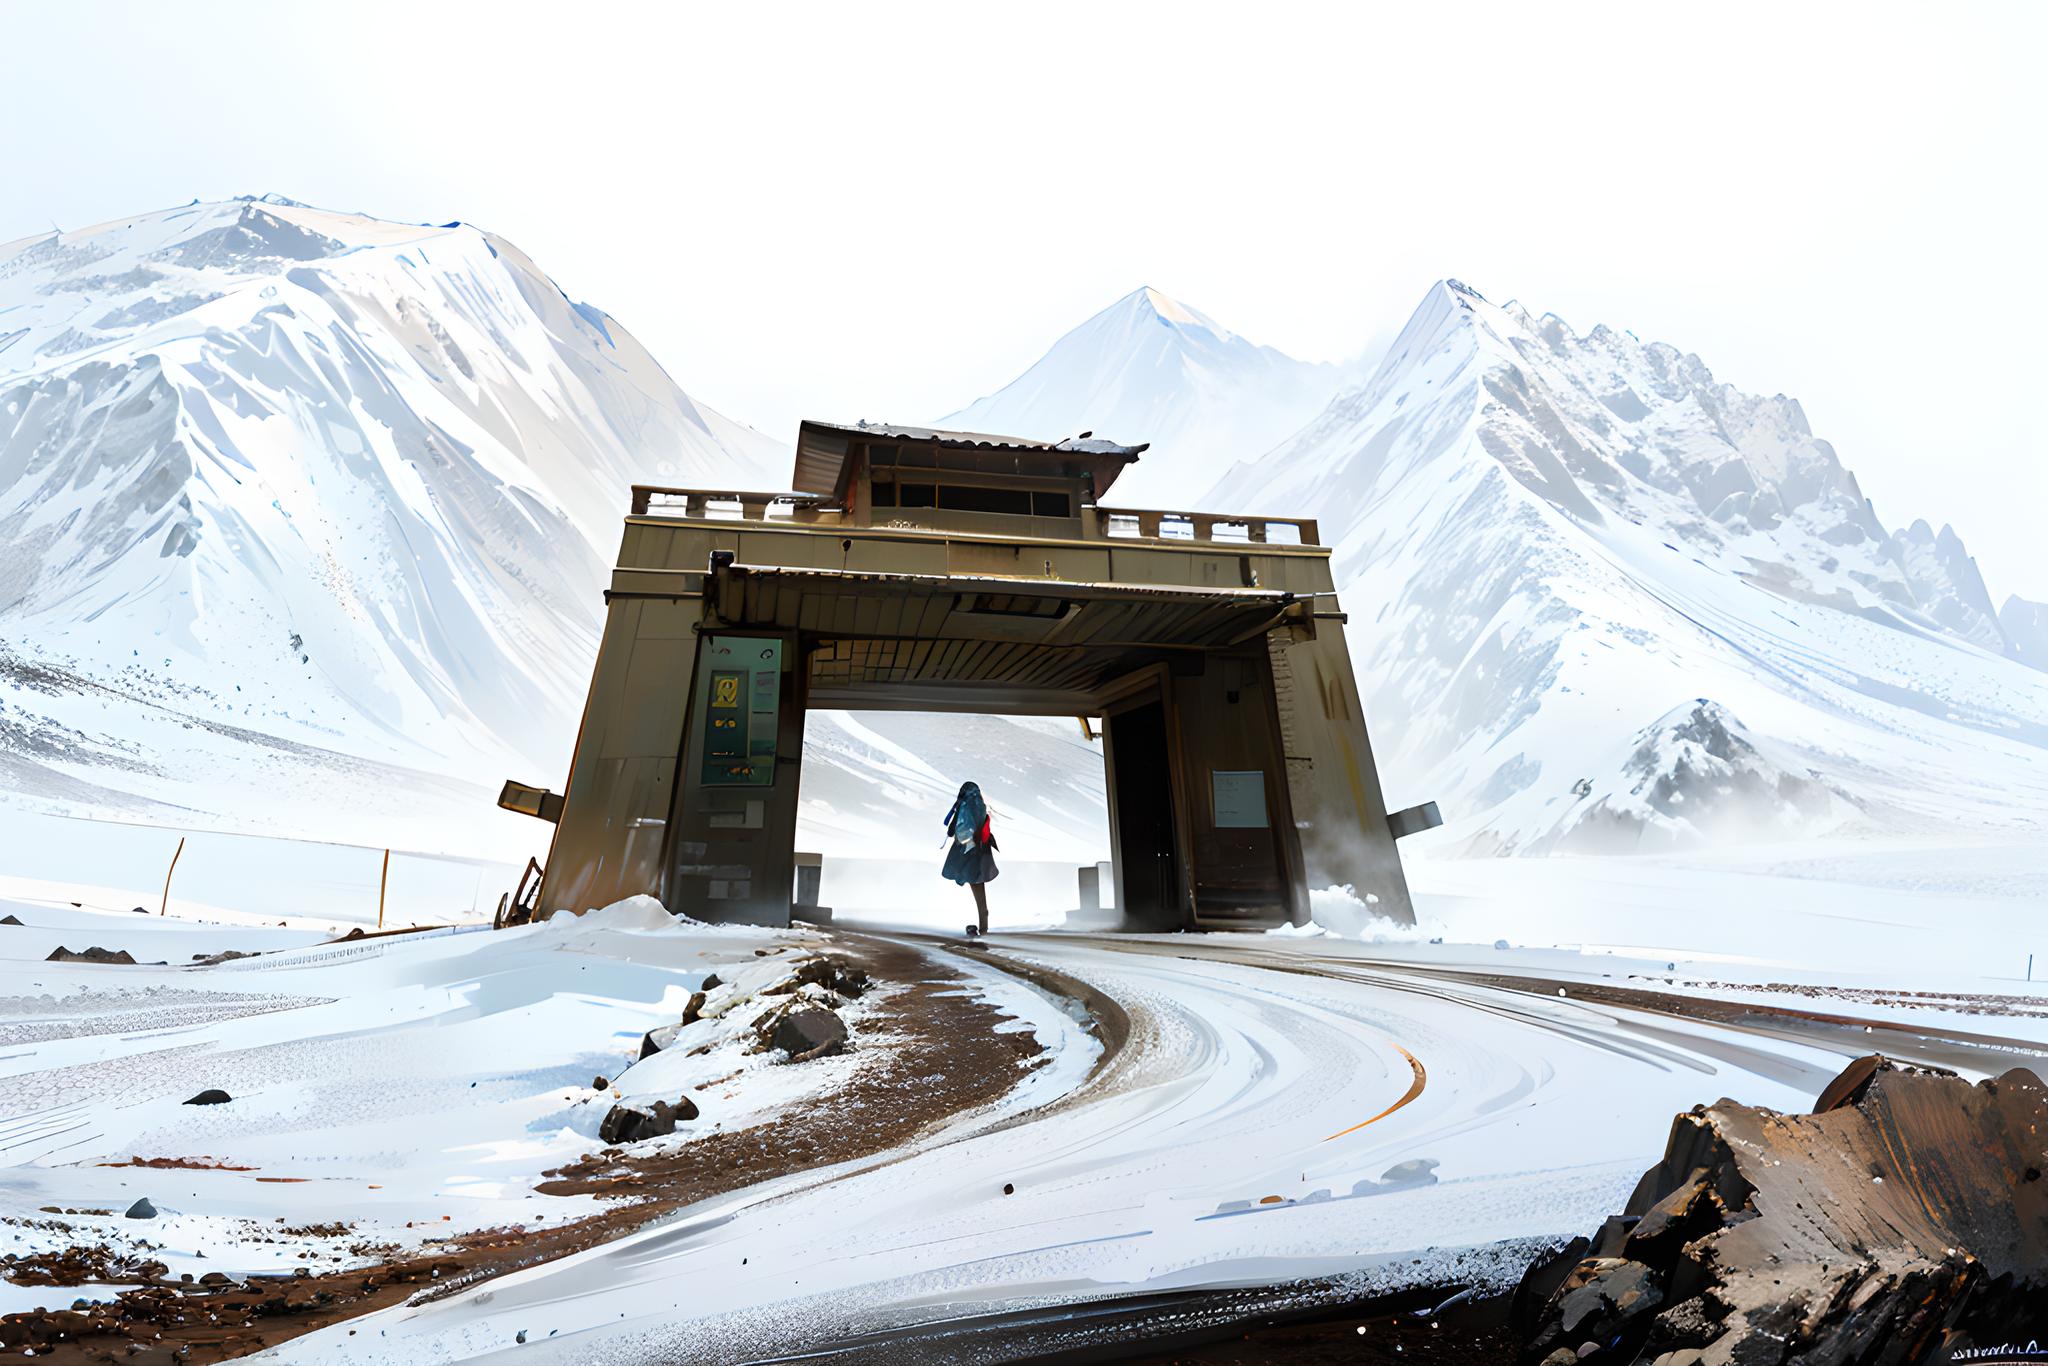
<point>1143,819</point>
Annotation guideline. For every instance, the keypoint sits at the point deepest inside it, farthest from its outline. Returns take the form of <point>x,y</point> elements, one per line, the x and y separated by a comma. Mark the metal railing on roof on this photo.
<point>751,505</point>
<point>1097,522</point>
<point>1161,525</point>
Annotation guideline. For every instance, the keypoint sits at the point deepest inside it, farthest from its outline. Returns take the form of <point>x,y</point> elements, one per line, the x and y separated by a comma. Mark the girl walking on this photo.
<point>970,855</point>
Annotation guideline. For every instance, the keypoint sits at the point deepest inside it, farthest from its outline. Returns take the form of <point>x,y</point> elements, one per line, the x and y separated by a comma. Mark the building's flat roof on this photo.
<point>822,448</point>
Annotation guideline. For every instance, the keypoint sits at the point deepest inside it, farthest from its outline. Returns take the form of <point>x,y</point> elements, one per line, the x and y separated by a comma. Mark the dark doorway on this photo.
<point>1142,819</point>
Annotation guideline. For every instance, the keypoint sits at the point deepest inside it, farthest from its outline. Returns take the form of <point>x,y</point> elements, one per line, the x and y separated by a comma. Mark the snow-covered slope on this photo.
<point>304,516</point>
<point>1149,369</point>
<point>2025,625</point>
<point>878,784</point>
<point>1588,583</point>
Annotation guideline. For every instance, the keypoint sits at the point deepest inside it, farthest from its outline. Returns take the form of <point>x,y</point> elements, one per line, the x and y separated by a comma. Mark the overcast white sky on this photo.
<point>847,211</point>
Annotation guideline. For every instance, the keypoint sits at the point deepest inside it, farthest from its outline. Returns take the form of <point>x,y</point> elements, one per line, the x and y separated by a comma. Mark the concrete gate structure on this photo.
<point>951,571</point>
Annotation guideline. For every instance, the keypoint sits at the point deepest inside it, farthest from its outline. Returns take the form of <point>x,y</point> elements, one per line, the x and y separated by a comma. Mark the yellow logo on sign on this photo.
<point>725,691</point>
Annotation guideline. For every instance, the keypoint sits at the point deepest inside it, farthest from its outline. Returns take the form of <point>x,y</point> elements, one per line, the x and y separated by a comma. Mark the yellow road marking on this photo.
<point>1414,1090</point>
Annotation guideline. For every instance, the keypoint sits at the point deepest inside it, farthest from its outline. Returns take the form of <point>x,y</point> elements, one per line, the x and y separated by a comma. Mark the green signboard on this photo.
<point>739,690</point>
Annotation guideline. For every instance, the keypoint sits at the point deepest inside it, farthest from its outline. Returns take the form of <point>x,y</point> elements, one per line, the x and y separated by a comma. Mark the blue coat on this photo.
<point>970,856</point>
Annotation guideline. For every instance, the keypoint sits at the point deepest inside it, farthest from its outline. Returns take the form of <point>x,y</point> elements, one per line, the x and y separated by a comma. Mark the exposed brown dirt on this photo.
<point>1891,998</point>
<point>197,1164</point>
<point>1929,1042</point>
<point>943,1057</point>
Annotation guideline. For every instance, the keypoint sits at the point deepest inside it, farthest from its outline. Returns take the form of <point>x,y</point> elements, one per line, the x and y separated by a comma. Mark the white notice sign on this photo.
<point>1239,798</point>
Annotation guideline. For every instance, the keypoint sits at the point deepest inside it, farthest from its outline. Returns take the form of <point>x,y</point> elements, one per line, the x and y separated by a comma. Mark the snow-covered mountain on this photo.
<point>1150,369</point>
<point>1599,599</point>
<point>305,516</point>
<point>305,519</point>
<point>2025,626</point>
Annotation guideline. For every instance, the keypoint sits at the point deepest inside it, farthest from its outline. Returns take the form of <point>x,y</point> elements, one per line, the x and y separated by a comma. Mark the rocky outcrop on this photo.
<point>631,1121</point>
<point>1905,1217</point>
<point>95,954</point>
<point>803,1031</point>
<point>833,974</point>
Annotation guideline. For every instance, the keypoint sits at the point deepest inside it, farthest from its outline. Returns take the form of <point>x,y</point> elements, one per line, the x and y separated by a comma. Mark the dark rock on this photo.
<point>212,1095</point>
<point>648,1047</point>
<point>8,920</point>
<point>629,1123</point>
<point>712,981</point>
<point>207,960</point>
<point>1601,1299</point>
<point>95,954</point>
<point>1416,1171</point>
<point>807,1032</point>
<point>1848,1088</point>
<point>599,1083</point>
<point>142,1209</point>
<point>834,975</point>
<point>1893,1223</point>
<point>693,1009</point>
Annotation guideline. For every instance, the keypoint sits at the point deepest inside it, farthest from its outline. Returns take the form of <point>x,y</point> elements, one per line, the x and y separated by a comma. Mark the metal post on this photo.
<point>166,907</point>
<point>383,882</point>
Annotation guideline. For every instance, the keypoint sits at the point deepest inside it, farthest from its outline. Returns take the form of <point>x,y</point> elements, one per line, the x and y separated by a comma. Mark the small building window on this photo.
<point>1046,503</point>
<point>916,496</point>
<point>979,498</point>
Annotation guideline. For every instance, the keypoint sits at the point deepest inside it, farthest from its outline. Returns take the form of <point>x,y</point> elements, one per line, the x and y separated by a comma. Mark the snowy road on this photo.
<point>1280,1111</point>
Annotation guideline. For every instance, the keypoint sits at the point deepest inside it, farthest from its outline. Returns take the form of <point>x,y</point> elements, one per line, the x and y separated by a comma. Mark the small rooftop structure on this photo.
<point>827,453</point>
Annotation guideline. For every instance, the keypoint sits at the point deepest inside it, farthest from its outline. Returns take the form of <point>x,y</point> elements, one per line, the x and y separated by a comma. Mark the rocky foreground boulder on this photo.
<point>631,1121</point>
<point>1904,1220</point>
<point>803,1032</point>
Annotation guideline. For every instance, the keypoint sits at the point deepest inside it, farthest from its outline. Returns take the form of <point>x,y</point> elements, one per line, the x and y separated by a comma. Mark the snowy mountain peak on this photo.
<point>1150,368</point>
<point>1172,311</point>
<point>1549,541</point>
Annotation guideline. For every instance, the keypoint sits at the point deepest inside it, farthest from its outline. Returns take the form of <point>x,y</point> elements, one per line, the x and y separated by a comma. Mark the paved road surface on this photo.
<point>1282,1111</point>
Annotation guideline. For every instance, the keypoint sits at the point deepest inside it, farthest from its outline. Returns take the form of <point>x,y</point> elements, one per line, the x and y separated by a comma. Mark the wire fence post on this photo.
<point>165,908</point>
<point>382,883</point>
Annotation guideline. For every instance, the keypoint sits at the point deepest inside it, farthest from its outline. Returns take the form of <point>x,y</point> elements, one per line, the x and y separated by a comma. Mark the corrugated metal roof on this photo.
<point>822,449</point>
<point>888,431</point>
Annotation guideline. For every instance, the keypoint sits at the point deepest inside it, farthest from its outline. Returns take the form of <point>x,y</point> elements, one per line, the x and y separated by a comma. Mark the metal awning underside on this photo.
<point>893,639</point>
